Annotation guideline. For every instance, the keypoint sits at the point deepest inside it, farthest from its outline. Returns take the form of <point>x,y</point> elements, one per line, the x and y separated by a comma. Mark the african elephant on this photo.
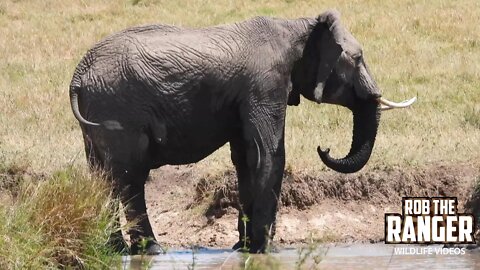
<point>155,95</point>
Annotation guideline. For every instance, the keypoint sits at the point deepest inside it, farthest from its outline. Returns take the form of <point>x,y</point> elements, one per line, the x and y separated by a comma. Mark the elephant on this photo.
<point>165,95</point>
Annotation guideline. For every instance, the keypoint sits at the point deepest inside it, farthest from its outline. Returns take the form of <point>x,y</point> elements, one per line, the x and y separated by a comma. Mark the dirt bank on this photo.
<point>187,209</point>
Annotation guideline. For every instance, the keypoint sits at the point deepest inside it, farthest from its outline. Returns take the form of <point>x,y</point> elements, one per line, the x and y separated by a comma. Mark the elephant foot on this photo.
<point>239,246</point>
<point>264,249</point>
<point>473,247</point>
<point>150,248</point>
<point>118,244</point>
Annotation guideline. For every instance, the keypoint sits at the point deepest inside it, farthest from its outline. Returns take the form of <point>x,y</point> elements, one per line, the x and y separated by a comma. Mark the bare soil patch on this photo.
<point>187,208</point>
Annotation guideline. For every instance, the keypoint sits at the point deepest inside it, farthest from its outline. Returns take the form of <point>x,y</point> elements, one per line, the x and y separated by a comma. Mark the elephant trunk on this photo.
<point>366,117</point>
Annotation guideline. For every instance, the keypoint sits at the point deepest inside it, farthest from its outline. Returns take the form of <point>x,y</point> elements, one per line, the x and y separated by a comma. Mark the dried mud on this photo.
<point>186,209</point>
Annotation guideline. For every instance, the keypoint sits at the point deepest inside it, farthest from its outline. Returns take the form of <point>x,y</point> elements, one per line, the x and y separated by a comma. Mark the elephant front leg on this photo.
<point>265,204</point>
<point>260,172</point>
<point>239,149</point>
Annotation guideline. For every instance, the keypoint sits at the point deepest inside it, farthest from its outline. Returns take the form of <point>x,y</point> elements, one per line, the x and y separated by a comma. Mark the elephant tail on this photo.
<point>75,107</point>
<point>109,124</point>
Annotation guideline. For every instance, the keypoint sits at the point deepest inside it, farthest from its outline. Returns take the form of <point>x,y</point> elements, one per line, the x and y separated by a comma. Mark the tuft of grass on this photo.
<point>259,262</point>
<point>472,117</point>
<point>136,2</point>
<point>312,253</point>
<point>61,221</point>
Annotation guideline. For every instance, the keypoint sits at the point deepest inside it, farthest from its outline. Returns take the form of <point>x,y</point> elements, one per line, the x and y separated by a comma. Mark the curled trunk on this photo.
<point>366,117</point>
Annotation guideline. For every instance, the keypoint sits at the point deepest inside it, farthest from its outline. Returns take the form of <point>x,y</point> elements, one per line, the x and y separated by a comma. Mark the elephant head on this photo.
<point>332,70</point>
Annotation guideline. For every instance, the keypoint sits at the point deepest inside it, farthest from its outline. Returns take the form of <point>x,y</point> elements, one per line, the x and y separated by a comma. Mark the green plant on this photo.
<point>61,221</point>
<point>260,262</point>
<point>311,251</point>
<point>194,258</point>
<point>245,239</point>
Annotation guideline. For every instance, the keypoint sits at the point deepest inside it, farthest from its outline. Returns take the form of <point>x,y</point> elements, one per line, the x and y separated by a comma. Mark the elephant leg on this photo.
<point>267,194</point>
<point>132,194</point>
<point>123,156</point>
<point>260,173</point>
<point>244,176</point>
<point>93,158</point>
<point>96,164</point>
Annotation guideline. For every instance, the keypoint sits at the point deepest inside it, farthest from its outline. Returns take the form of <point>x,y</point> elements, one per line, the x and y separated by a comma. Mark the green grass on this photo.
<point>57,221</point>
<point>425,48</point>
<point>309,256</point>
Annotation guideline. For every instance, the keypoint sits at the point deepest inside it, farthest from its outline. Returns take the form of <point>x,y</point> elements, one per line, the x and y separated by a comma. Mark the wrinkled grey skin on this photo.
<point>156,95</point>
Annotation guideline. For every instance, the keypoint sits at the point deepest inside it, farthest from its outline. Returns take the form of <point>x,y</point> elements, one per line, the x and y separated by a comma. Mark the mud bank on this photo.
<point>188,209</point>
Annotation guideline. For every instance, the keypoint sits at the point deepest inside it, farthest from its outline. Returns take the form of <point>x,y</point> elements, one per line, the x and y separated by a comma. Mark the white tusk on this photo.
<point>392,105</point>
<point>385,108</point>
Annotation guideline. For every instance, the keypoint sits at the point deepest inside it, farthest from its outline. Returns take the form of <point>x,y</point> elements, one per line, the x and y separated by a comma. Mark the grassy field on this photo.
<point>425,48</point>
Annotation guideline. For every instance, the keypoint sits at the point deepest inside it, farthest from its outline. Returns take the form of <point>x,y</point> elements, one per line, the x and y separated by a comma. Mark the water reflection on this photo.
<point>368,256</point>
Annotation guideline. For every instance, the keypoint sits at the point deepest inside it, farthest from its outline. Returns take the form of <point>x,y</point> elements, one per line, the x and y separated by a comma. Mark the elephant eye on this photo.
<point>357,56</point>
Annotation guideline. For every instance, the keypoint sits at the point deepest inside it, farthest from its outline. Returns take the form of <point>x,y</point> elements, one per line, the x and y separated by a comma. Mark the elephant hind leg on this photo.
<point>97,165</point>
<point>125,158</point>
<point>94,159</point>
<point>132,195</point>
<point>130,167</point>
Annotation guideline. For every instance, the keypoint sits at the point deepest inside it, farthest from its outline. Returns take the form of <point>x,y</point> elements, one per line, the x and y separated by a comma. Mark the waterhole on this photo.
<point>357,256</point>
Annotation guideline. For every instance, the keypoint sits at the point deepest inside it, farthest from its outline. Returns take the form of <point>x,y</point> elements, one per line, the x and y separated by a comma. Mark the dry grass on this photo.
<point>425,48</point>
<point>57,221</point>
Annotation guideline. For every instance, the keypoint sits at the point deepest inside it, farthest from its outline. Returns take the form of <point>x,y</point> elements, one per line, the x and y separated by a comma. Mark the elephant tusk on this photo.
<point>385,108</point>
<point>387,105</point>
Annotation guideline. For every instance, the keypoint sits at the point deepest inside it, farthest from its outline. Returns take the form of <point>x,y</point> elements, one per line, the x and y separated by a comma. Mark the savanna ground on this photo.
<point>428,49</point>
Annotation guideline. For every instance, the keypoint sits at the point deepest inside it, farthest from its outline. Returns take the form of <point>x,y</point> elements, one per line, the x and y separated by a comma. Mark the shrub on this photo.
<point>61,221</point>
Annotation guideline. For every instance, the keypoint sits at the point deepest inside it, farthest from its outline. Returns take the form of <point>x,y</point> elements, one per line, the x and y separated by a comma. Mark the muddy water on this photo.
<point>373,256</point>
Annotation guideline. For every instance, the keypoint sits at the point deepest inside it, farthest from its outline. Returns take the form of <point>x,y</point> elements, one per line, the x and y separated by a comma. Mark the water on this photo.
<point>358,256</point>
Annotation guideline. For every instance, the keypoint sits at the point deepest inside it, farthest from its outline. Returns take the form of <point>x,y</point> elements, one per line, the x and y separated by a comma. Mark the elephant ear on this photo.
<point>321,52</point>
<point>330,37</point>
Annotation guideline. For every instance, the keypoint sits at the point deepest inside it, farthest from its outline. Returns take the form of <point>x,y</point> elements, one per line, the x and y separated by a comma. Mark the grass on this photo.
<point>425,48</point>
<point>59,221</point>
<point>309,256</point>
